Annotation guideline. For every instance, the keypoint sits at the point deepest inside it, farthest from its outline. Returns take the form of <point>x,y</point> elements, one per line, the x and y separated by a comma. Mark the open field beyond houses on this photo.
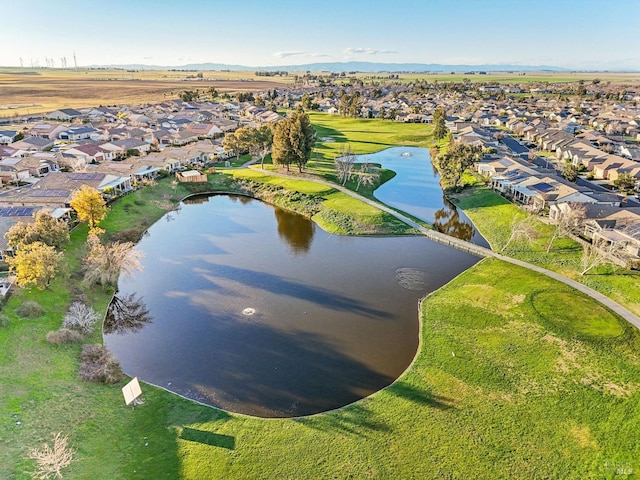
<point>35,91</point>
<point>28,92</point>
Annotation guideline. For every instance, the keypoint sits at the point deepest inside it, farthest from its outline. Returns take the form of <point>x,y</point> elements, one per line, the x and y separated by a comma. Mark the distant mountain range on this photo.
<point>365,67</point>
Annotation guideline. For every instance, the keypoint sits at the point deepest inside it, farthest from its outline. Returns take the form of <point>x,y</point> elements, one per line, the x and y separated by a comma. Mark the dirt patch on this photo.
<point>583,436</point>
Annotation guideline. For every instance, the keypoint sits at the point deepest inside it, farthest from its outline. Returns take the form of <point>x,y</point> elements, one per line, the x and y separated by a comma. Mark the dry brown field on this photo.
<point>29,92</point>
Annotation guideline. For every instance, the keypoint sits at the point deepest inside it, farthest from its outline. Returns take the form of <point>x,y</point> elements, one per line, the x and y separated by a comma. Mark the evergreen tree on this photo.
<point>439,128</point>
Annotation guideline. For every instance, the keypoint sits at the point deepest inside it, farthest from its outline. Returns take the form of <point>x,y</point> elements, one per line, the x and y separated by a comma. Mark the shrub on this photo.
<point>4,320</point>
<point>64,335</point>
<point>30,309</point>
<point>80,317</point>
<point>128,235</point>
<point>99,365</point>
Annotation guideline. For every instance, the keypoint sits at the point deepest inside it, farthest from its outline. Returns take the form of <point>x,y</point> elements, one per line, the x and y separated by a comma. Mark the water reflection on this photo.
<point>447,220</point>
<point>297,234</point>
<point>335,317</point>
<point>126,314</point>
<point>416,190</point>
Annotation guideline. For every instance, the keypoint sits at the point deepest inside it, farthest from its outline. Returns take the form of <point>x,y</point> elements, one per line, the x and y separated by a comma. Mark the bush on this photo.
<point>80,317</point>
<point>30,309</point>
<point>128,235</point>
<point>99,365</point>
<point>64,335</point>
<point>4,320</point>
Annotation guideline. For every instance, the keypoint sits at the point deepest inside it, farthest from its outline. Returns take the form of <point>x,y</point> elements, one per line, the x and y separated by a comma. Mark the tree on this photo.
<point>104,263</point>
<point>306,101</point>
<point>35,263</point>
<point>596,254</point>
<point>368,175</point>
<point>264,139</point>
<point>45,228</point>
<point>344,164</point>
<point>293,140</point>
<point>569,221</point>
<point>570,172</point>
<point>231,143</point>
<point>625,182</point>
<point>521,229</point>
<point>452,164</point>
<point>89,205</point>
<point>439,128</point>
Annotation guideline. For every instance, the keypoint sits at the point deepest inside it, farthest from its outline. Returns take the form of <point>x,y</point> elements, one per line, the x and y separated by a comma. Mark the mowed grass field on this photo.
<point>29,92</point>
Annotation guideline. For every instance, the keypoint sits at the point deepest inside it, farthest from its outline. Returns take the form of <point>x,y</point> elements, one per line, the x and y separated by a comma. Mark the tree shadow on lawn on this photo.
<point>208,438</point>
<point>417,395</point>
<point>355,419</point>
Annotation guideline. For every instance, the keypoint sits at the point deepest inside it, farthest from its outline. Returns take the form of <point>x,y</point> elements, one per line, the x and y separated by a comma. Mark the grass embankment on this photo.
<point>492,215</point>
<point>332,210</point>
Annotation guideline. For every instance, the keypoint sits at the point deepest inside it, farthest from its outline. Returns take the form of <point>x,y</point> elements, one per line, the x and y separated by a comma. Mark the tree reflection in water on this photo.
<point>447,220</point>
<point>126,314</point>
<point>296,230</point>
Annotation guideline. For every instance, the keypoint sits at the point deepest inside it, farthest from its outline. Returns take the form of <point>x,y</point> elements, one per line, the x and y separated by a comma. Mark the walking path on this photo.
<point>480,251</point>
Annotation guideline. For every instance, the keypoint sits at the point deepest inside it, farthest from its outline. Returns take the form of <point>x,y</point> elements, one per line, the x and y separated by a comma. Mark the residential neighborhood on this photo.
<point>529,134</point>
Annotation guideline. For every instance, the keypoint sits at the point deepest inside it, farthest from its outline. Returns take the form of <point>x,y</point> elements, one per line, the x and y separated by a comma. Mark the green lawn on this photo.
<point>492,215</point>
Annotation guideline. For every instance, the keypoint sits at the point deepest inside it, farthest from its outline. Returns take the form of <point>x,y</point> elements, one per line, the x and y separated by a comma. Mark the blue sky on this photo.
<point>580,34</point>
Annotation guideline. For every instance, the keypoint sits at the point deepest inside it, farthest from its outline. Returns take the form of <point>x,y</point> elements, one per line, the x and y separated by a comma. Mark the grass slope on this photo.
<point>492,215</point>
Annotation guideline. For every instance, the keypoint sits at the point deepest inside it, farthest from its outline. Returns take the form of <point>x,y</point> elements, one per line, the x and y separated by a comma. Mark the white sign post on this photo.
<point>131,392</point>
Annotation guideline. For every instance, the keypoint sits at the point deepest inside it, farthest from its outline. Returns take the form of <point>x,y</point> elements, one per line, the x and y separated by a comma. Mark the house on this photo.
<point>33,144</point>
<point>7,136</point>
<point>90,153</point>
<point>12,170</point>
<point>47,130</point>
<point>204,129</point>
<point>126,144</point>
<point>9,216</point>
<point>620,230</point>
<point>77,133</point>
<point>64,114</point>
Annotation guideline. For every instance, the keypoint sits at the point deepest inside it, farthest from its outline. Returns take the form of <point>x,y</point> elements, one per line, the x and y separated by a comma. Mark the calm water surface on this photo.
<point>416,190</point>
<point>247,307</point>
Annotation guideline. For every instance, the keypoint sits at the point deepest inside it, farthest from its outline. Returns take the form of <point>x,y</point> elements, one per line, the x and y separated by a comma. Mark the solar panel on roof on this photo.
<point>86,176</point>
<point>543,187</point>
<point>17,211</point>
<point>49,192</point>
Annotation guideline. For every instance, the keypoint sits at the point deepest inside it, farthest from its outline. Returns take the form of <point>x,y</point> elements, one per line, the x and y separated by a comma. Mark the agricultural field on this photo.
<point>29,92</point>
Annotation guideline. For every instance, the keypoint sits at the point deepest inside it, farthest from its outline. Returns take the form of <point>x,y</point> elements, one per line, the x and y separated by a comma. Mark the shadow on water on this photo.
<point>274,373</point>
<point>282,286</point>
<point>298,234</point>
<point>208,438</point>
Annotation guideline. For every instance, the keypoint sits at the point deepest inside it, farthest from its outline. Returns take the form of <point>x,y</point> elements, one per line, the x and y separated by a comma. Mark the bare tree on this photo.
<point>521,229</point>
<point>50,460</point>
<point>104,263</point>
<point>569,222</point>
<point>80,317</point>
<point>596,254</point>
<point>344,164</point>
<point>368,175</point>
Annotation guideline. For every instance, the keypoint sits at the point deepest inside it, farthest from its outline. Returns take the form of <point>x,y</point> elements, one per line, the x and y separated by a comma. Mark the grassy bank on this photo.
<point>492,215</point>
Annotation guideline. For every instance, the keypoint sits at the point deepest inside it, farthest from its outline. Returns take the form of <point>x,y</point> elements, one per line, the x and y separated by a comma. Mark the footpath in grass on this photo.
<point>492,215</point>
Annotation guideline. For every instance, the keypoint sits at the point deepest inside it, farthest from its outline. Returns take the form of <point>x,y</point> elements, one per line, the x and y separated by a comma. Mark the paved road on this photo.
<point>481,251</point>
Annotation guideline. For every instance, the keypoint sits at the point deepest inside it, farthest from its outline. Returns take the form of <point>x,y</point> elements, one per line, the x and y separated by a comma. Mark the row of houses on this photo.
<point>606,217</point>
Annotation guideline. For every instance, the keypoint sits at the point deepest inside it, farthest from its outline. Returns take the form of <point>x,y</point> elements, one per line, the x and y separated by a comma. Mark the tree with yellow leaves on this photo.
<point>89,205</point>
<point>35,264</point>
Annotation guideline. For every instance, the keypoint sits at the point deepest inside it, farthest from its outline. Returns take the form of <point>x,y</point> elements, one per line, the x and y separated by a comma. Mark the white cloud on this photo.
<point>318,55</point>
<point>288,54</point>
<point>366,51</point>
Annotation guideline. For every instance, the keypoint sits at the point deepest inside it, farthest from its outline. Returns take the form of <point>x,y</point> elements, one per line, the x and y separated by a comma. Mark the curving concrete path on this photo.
<point>476,249</point>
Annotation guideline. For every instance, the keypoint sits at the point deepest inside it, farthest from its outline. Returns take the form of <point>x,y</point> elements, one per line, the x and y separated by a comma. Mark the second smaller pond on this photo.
<point>416,190</point>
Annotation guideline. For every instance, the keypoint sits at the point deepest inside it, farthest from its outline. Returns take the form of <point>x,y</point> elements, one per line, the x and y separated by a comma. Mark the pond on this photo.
<point>416,190</point>
<point>253,309</point>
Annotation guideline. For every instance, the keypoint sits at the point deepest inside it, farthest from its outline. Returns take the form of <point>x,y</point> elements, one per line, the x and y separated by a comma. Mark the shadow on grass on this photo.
<point>208,438</point>
<point>414,394</point>
<point>355,419</point>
